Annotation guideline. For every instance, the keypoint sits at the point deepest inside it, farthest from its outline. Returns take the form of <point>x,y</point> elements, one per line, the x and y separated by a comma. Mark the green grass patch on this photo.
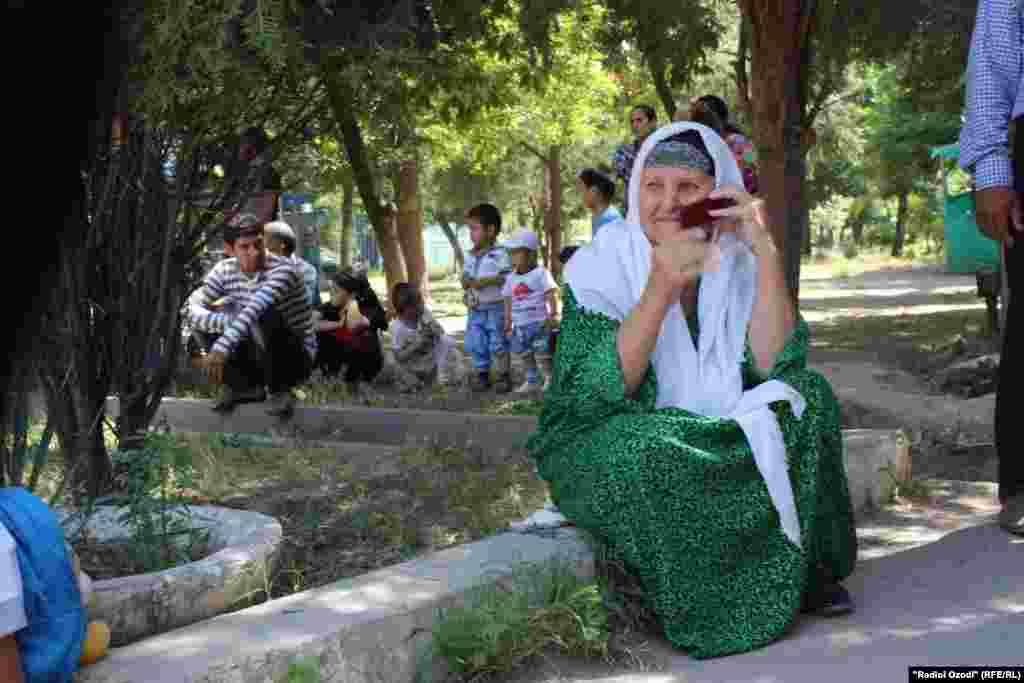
<point>922,333</point>
<point>539,607</point>
<point>514,407</point>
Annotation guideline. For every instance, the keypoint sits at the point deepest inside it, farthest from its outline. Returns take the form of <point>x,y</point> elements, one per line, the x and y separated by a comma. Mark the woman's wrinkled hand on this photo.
<point>679,260</point>
<point>745,218</point>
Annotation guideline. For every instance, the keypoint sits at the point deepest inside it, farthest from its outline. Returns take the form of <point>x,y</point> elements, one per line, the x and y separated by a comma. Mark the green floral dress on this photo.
<point>678,498</point>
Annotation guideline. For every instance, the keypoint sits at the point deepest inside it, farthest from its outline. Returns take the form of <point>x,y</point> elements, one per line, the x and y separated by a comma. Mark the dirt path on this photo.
<point>894,317</point>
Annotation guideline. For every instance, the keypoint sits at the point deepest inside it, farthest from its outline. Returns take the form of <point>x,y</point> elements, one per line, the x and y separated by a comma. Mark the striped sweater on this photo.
<point>278,286</point>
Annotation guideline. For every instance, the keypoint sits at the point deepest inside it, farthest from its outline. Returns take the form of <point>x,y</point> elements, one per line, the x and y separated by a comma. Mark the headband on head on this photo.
<point>677,153</point>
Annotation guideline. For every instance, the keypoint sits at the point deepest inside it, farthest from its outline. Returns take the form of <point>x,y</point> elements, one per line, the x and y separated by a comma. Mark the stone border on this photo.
<point>372,628</point>
<point>135,607</point>
<point>867,451</point>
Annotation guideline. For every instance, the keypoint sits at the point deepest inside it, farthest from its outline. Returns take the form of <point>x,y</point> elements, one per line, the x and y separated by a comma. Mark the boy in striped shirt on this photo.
<point>257,321</point>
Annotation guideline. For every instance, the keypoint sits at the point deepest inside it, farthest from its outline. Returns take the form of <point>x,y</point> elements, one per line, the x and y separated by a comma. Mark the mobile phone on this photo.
<point>699,214</point>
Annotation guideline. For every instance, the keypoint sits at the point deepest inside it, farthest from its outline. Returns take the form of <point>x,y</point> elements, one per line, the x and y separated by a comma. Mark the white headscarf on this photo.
<point>609,276</point>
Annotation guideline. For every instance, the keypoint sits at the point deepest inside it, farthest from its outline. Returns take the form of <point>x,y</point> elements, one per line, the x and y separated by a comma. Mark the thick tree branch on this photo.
<point>533,150</point>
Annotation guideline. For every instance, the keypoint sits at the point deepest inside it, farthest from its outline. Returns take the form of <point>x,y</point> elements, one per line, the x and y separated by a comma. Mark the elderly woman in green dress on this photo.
<point>682,427</point>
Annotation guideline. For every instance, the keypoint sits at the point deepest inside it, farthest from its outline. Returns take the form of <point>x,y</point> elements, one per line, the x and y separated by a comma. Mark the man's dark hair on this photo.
<point>245,225</point>
<point>593,178</point>
<point>487,214</point>
<point>648,111</point>
<point>405,295</point>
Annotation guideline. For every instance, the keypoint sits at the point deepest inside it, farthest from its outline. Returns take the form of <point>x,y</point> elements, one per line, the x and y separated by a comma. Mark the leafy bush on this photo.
<point>162,531</point>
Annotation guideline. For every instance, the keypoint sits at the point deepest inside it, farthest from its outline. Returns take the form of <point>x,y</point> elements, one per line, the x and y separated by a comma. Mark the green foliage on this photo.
<point>540,607</point>
<point>899,135</point>
<point>163,533</point>
<point>21,451</point>
<point>303,670</point>
<point>675,40</point>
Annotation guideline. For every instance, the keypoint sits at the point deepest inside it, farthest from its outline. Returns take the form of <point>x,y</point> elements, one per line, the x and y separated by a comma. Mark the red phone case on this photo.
<point>698,214</point>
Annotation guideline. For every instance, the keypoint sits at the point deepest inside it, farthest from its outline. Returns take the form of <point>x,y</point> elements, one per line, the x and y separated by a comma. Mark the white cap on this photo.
<point>279,229</point>
<point>524,239</point>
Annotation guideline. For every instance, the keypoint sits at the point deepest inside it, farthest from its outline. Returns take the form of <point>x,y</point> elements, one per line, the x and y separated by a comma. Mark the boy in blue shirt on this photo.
<point>483,277</point>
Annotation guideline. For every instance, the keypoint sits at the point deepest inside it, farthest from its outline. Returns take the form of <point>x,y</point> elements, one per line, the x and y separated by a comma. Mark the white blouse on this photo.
<point>12,601</point>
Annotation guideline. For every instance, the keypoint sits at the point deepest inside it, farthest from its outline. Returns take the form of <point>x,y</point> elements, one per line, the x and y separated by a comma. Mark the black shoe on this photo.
<point>282,404</point>
<point>232,398</point>
<point>482,381</point>
<point>834,601</point>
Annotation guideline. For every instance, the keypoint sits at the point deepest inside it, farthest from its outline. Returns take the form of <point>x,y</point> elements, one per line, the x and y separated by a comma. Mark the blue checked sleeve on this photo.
<point>993,77</point>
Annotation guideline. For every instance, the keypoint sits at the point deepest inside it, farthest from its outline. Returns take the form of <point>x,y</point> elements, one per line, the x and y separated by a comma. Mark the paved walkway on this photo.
<point>938,583</point>
<point>926,594</point>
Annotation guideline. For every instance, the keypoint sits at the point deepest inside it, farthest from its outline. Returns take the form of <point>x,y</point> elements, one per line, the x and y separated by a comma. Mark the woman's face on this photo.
<point>664,192</point>
<point>339,296</point>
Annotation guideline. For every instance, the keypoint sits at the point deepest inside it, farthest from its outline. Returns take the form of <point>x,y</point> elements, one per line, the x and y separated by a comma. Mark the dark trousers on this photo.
<point>360,366</point>
<point>283,365</point>
<point>1008,394</point>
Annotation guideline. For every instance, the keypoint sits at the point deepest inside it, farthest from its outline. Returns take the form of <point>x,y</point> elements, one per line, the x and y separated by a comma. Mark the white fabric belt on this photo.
<point>764,435</point>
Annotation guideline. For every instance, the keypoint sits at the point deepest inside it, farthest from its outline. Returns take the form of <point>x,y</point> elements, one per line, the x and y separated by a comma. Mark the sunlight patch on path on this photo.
<point>812,316</point>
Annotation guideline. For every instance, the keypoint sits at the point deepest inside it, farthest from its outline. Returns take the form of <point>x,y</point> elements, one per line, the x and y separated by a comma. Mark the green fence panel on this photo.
<point>967,249</point>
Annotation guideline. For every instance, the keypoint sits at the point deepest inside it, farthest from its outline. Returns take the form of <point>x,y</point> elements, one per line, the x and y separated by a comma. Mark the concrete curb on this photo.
<point>376,627</point>
<point>373,628</point>
<point>245,548</point>
<point>869,453</point>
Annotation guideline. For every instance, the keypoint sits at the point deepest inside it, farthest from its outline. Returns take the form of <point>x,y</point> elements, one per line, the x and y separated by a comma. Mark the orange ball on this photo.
<point>96,644</point>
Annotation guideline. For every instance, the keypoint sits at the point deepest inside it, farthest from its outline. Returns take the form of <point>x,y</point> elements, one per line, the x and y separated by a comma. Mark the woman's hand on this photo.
<point>745,219</point>
<point>679,260</point>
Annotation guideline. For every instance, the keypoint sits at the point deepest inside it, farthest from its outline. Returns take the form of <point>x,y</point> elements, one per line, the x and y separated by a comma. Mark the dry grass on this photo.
<point>341,518</point>
<point>838,266</point>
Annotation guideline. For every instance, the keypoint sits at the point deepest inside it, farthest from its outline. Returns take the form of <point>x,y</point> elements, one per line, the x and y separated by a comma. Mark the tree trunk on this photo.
<point>382,220</point>
<point>740,67</point>
<point>901,225</point>
<point>453,239</point>
<point>345,247</point>
<point>542,217</point>
<point>391,250</point>
<point>778,71</point>
<point>410,226</point>
<point>553,218</point>
<point>664,90</point>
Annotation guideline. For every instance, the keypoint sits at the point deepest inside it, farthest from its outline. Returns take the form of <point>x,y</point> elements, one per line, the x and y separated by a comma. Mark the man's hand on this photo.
<point>999,213</point>
<point>508,328</point>
<point>472,284</point>
<point>213,364</point>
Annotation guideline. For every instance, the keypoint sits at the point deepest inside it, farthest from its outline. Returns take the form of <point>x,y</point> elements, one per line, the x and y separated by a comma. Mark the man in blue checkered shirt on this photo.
<point>643,120</point>
<point>995,106</point>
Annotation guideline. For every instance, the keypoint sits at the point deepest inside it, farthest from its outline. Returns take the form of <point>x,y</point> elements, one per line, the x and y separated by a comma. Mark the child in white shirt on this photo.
<point>530,310</point>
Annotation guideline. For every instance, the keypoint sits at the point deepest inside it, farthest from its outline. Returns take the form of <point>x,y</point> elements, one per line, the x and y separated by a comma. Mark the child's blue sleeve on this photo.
<point>51,642</point>
<point>504,261</point>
